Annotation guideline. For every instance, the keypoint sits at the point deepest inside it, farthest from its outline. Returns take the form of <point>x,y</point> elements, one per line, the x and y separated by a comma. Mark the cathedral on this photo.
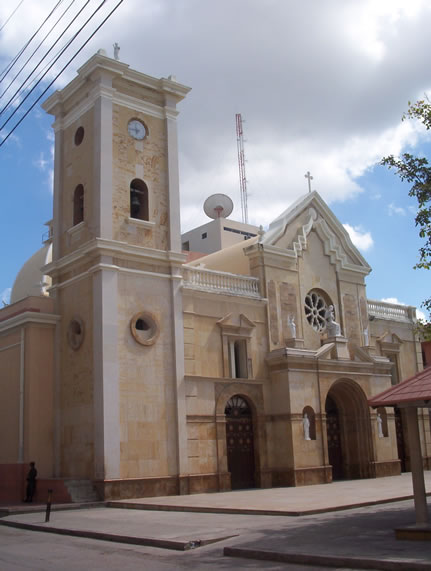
<point>131,366</point>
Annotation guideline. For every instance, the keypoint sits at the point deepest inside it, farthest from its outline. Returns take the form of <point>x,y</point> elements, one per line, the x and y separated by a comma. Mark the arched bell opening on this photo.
<point>348,431</point>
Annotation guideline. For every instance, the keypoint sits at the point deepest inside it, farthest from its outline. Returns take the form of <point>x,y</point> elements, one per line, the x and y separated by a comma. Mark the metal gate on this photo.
<point>400,439</point>
<point>240,443</point>
<point>335,452</point>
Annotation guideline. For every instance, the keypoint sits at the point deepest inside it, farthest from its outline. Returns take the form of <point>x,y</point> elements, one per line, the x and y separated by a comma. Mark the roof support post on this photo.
<point>421,508</point>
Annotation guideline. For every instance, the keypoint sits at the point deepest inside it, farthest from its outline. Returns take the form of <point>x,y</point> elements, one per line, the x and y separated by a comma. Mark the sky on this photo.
<point>321,87</point>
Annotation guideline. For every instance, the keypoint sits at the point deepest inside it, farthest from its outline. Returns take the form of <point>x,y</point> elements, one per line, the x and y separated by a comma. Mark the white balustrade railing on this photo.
<point>221,282</point>
<point>395,312</point>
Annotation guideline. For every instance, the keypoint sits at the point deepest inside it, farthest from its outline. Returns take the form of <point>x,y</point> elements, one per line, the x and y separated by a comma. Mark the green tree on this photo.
<point>417,172</point>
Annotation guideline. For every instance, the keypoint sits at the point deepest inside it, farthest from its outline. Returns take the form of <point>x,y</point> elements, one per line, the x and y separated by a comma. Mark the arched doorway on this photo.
<point>348,431</point>
<point>240,443</point>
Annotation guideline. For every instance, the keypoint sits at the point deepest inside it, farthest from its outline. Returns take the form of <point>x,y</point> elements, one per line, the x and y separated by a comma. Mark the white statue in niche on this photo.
<point>306,426</point>
<point>366,337</point>
<point>292,325</point>
<point>332,327</point>
<point>380,426</point>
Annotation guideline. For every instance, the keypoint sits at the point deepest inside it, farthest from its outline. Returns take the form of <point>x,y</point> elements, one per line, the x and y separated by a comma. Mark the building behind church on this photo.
<point>127,367</point>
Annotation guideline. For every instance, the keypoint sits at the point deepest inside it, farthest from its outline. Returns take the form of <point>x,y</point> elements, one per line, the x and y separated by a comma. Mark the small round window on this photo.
<point>75,333</point>
<point>315,307</point>
<point>144,328</point>
<point>79,135</point>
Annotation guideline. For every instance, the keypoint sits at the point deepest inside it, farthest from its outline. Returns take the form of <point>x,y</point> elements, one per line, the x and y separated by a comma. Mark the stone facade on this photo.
<point>160,377</point>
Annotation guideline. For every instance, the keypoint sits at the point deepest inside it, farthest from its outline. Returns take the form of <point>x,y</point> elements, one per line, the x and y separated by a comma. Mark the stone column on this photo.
<point>106,382</point>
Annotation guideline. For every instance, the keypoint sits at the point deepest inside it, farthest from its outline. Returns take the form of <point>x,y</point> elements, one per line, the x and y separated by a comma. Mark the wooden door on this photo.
<point>240,443</point>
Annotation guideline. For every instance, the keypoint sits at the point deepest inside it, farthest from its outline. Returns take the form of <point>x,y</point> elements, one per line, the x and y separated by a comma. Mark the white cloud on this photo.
<point>362,240</point>
<point>419,314</point>
<point>398,210</point>
<point>393,300</point>
<point>5,296</point>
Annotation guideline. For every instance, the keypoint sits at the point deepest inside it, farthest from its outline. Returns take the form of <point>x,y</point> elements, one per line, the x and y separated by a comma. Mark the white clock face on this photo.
<point>137,129</point>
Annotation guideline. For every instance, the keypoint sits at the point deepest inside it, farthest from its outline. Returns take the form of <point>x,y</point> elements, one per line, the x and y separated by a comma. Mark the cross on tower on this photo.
<point>310,178</point>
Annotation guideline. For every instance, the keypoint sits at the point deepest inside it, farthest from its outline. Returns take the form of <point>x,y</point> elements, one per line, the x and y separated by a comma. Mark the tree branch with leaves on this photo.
<point>417,172</point>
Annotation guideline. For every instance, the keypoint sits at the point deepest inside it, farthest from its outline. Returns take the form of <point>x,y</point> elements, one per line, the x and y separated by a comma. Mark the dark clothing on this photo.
<point>31,484</point>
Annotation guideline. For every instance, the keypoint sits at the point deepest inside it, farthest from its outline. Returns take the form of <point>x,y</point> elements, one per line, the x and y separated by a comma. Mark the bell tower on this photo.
<point>116,276</point>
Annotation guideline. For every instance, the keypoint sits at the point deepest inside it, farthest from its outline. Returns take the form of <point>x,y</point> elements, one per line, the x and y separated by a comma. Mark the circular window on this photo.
<point>144,328</point>
<point>75,333</point>
<point>79,135</point>
<point>315,310</point>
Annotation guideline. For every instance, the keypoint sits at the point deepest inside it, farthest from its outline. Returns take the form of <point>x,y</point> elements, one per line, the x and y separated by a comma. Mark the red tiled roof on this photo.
<point>416,389</point>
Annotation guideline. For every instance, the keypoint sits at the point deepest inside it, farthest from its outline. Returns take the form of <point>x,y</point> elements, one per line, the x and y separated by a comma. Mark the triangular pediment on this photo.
<point>290,231</point>
<point>239,324</point>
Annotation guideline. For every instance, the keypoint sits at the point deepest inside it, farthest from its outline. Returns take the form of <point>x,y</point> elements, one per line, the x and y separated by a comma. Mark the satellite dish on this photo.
<point>218,206</point>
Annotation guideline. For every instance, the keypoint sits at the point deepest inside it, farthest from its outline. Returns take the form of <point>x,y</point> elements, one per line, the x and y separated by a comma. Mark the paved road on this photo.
<point>349,536</point>
<point>26,550</point>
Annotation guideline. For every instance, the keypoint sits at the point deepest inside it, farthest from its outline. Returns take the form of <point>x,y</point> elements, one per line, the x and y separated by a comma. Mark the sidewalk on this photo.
<point>359,538</point>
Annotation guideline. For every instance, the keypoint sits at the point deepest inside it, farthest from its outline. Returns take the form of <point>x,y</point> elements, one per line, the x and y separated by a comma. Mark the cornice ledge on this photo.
<point>111,248</point>
<point>29,317</point>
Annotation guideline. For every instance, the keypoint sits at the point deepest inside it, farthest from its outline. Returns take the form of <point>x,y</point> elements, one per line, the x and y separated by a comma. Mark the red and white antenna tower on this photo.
<point>241,166</point>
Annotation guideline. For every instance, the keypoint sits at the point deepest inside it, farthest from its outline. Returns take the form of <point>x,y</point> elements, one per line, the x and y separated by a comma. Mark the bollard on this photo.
<point>48,506</point>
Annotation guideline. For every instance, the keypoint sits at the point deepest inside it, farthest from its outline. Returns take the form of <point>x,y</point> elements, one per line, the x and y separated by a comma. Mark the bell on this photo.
<point>135,201</point>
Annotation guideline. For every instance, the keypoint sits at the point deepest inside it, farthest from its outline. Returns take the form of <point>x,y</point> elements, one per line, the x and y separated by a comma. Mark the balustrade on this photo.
<point>222,282</point>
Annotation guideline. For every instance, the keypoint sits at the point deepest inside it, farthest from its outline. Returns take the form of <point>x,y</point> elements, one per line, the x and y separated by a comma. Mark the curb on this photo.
<point>327,560</point>
<point>121,504</point>
<point>131,540</point>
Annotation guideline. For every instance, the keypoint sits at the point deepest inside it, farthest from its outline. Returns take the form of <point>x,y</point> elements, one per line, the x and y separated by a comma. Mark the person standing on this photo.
<point>31,482</point>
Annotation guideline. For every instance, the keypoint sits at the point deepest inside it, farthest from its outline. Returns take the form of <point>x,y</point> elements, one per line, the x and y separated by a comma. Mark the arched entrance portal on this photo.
<point>240,443</point>
<point>348,431</point>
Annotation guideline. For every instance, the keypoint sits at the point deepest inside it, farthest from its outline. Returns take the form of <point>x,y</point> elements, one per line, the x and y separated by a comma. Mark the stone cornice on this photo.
<point>288,358</point>
<point>29,317</point>
<point>98,65</point>
<point>103,247</point>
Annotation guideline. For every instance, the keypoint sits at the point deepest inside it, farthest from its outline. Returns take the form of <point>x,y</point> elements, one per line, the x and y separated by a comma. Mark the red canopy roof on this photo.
<point>415,391</point>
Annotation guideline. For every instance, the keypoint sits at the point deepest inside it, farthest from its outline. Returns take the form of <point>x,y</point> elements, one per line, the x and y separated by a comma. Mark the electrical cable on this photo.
<point>21,87</point>
<point>55,61</point>
<point>11,15</point>
<point>60,72</point>
<point>22,50</point>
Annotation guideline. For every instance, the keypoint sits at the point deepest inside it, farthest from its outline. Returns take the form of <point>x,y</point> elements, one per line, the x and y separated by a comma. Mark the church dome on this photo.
<point>30,279</point>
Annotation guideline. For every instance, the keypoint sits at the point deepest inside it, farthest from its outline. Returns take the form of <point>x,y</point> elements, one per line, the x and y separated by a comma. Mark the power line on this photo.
<point>16,94</point>
<point>22,50</point>
<point>55,61</point>
<point>60,72</point>
<point>11,15</point>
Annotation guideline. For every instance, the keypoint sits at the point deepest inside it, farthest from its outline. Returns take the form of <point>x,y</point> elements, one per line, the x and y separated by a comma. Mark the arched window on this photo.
<point>311,419</point>
<point>78,205</point>
<point>138,200</point>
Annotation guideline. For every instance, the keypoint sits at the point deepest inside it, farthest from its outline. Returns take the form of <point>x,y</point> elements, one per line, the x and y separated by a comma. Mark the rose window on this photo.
<point>315,310</point>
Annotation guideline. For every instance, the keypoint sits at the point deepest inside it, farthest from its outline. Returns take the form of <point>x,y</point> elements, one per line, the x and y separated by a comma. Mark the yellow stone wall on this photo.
<point>76,381</point>
<point>35,342</point>
<point>147,390</point>
<point>9,403</point>
<point>77,169</point>
<point>146,160</point>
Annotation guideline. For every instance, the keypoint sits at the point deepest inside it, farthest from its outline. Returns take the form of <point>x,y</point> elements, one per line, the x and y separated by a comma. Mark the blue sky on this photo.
<point>321,86</point>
